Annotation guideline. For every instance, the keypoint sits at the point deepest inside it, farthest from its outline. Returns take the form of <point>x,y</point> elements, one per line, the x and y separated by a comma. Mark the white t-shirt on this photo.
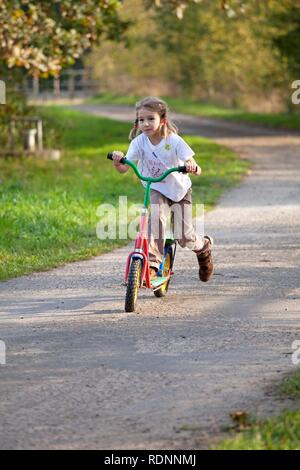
<point>154,160</point>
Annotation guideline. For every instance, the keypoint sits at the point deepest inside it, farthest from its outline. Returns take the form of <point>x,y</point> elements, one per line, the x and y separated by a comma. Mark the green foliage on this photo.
<point>220,58</point>
<point>42,37</point>
<point>48,208</point>
<point>178,7</point>
<point>291,385</point>
<point>281,433</point>
<point>131,66</point>
<point>240,55</point>
<point>286,19</point>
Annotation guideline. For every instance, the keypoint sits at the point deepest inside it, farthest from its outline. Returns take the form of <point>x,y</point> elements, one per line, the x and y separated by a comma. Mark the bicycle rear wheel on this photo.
<point>168,264</point>
<point>133,284</point>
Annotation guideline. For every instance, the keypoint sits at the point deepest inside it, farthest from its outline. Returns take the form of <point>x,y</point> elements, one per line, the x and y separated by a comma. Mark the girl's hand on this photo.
<point>120,167</point>
<point>192,167</point>
<point>117,156</point>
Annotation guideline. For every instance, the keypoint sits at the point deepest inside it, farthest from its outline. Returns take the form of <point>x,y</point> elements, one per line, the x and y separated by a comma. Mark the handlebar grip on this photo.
<point>110,157</point>
<point>182,169</point>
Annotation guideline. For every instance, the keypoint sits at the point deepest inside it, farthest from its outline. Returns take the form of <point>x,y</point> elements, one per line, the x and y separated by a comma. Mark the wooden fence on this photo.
<point>70,84</point>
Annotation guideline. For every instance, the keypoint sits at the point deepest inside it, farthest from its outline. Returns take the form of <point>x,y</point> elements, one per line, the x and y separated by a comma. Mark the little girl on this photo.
<point>156,146</point>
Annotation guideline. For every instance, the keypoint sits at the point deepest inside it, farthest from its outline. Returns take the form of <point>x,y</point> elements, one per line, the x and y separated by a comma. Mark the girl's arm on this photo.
<point>192,166</point>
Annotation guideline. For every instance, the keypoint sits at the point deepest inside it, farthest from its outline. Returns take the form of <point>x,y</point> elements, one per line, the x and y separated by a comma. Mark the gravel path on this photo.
<point>81,373</point>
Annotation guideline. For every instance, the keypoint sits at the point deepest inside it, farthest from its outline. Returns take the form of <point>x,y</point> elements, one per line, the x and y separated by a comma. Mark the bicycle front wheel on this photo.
<point>133,284</point>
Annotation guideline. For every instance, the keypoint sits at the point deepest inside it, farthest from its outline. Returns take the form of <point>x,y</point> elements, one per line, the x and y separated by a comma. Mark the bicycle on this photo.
<point>137,272</point>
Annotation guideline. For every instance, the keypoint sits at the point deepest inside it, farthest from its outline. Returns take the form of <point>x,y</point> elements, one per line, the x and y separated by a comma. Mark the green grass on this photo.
<point>287,121</point>
<point>48,208</point>
<point>277,433</point>
<point>109,98</point>
<point>291,385</point>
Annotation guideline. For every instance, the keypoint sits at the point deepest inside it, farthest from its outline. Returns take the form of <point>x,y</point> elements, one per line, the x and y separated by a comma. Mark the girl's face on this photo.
<point>149,122</point>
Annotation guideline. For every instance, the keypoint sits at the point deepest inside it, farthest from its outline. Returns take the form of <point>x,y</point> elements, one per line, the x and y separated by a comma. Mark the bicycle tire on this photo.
<point>162,291</point>
<point>133,284</point>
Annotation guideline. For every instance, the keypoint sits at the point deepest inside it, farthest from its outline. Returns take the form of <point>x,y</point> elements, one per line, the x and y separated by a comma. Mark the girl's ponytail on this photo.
<point>168,127</point>
<point>134,131</point>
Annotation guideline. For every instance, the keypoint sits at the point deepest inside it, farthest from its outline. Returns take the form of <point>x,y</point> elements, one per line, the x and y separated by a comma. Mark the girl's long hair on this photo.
<point>159,106</point>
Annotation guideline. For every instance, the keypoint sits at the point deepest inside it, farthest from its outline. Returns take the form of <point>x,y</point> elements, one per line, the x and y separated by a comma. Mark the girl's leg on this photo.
<point>160,210</point>
<point>183,224</point>
<point>189,238</point>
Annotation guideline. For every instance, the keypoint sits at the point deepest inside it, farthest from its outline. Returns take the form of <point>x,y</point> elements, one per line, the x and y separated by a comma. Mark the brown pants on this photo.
<point>182,226</point>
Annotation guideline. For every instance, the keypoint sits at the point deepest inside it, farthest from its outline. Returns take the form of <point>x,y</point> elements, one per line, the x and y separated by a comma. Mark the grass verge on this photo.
<point>277,433</point>
<point>48,208</point>
<point>288,121</point>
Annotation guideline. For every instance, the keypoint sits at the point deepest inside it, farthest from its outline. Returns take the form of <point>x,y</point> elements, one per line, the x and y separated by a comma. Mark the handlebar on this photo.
<point>124,161</point>
<point>110,157</point>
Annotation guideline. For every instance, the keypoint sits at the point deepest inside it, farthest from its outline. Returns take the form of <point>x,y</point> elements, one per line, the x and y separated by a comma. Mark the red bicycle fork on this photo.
<point>141,250</point>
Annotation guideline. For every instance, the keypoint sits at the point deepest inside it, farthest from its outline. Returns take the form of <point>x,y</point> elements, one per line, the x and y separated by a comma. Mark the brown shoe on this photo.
<point>205,261</point>
<point>153,272</point>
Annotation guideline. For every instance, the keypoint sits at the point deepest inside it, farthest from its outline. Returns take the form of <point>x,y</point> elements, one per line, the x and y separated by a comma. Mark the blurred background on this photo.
<point>243,54</point>
<point>222,59</point>
<point>235,53</point>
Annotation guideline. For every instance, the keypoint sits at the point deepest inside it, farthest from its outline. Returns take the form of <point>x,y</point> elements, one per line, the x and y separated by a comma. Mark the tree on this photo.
<point>226,55</point>
<point>135,65</point>
<point>286,18</point>
<point>42,36</point>
<point>218,52</point>
<point>232,7</point>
